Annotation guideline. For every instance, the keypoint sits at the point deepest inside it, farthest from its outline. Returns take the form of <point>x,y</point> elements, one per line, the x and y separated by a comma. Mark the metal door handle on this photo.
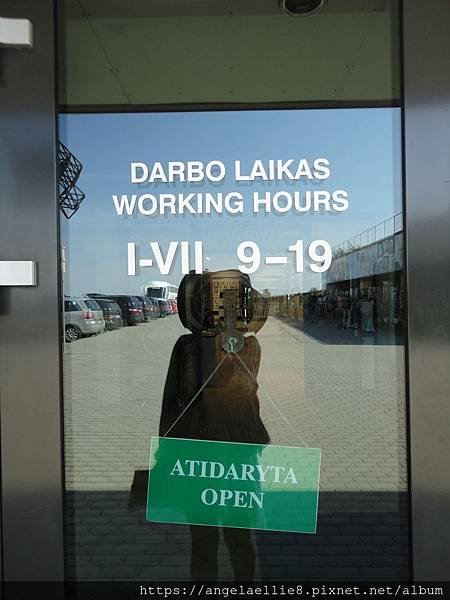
<point>18,272</point>
<point>16,33</point>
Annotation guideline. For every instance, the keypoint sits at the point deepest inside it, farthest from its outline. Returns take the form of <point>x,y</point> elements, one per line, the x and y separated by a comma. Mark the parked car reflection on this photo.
<point>154,308</point>
<point>163,306</point>
<point>111,313</point>
<point>81,320</point>
<point>172,306</point>
<point>132,313</point>
<point>147,307</point>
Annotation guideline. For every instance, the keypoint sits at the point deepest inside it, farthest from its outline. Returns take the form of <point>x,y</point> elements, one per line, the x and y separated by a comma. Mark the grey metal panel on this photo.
<point>29,316</point>
<point>427,156</point>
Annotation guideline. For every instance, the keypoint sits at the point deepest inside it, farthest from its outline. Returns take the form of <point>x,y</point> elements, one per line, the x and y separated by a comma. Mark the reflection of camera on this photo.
<point>220,302</point>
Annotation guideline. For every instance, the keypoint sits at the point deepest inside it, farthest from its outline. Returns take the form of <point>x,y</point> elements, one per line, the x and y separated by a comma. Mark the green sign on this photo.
<point>231,484</point>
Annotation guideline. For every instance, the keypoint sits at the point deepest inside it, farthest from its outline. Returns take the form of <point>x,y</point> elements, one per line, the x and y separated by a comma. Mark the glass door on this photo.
<point>234,294</point>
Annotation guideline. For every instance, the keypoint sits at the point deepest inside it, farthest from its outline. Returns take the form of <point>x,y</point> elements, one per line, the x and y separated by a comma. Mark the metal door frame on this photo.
<point>426,156</point>
<point>30,329</point>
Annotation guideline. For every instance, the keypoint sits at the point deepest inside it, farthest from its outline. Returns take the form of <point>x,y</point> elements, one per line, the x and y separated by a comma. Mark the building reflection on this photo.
<point>362,299</point>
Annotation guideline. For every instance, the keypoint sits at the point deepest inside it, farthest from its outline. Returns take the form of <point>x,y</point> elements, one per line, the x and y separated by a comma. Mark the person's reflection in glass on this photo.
<point>367,314</point>
<point>227,409</point>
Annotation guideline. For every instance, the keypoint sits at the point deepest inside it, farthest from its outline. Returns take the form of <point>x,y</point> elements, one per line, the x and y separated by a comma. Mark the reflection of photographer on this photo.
<point>211,391</point>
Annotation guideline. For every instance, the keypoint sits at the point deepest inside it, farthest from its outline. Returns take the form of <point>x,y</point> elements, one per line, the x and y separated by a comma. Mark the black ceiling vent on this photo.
<point>301,8</point>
